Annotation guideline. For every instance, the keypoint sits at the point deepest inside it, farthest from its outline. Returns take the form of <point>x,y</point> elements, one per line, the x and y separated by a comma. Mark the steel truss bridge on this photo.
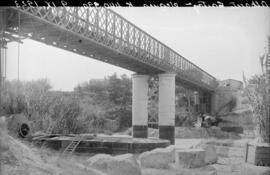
<point>102,34</point>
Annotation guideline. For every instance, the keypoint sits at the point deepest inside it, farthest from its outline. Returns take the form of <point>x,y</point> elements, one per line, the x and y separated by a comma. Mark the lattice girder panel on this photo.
<point>110,23</point>
<point>111,30</point>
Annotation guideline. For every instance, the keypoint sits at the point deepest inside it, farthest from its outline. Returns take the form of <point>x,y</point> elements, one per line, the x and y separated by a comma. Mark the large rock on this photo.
<point>189,158</point>
<point>211,156</point>
<point>154,171</point>
<point>3,132</point>
<point>249,169</point>
<point>158,158</point>
<point>117,165</point>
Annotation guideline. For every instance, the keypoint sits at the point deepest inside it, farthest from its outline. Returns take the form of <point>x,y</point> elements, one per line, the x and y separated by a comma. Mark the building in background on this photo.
<point>235,84</point>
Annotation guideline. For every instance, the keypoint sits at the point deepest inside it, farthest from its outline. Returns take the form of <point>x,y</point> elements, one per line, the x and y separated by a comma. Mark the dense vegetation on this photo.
<point>257,91</point>
<point>100,105</point>
<point>94,106</point>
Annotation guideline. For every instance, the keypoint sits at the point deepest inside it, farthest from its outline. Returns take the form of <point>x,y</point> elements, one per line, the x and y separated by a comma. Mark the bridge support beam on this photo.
<point>140,105</point>
<point>166,107</point>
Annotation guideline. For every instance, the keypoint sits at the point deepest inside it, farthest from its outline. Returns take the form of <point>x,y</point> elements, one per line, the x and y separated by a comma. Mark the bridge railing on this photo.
<point>109,28</point>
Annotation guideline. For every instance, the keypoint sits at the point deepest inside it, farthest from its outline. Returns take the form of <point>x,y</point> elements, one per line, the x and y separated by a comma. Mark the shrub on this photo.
<point>121,113</point>
<point>111,95</point>
<point>85,110</point>
<point>29,98</point>
<point>43,108</point>
<point>67,119</point>
<point>186,120</point>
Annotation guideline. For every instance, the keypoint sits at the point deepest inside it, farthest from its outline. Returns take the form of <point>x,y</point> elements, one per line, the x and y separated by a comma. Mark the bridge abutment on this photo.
<point>166,107</point>
<point>140,105</point>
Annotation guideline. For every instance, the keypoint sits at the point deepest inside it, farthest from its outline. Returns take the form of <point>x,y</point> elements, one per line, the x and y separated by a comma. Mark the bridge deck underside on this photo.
<point>57,35</point>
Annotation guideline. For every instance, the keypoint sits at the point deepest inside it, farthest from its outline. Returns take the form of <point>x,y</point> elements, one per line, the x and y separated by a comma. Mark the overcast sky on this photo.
<point>223,41</point>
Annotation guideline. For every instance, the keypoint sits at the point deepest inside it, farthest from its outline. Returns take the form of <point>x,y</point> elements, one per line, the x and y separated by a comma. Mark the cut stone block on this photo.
<point>158,158</point>
<point>211,156</point>
<point>190,158</point>
<point>205,170</point>
<point>154,171</point>
<point>249,169</point>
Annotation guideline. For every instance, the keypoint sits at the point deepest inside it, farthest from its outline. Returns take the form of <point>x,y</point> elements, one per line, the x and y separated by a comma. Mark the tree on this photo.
<point>120,94</point>
<point>119,89</point>
<point>257,89</point>
<point>256,79</point>
<point>113,94</point>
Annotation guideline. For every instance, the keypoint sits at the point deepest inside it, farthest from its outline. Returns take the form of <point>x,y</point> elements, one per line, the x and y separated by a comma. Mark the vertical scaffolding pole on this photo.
<point>3,44</point>
<point>267,71</point>
<point>1,79</point>
<point>2,69</point>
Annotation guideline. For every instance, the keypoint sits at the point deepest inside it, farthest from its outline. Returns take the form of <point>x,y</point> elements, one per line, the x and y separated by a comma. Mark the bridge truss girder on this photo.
<point>102,34</point>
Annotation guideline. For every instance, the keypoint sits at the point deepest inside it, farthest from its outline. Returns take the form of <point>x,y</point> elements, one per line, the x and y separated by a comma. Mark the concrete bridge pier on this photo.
<point>214,103</point>
<point>140,105</point>
<point>196,101</point>
<point>166,106</point>
<point>201,104</point>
